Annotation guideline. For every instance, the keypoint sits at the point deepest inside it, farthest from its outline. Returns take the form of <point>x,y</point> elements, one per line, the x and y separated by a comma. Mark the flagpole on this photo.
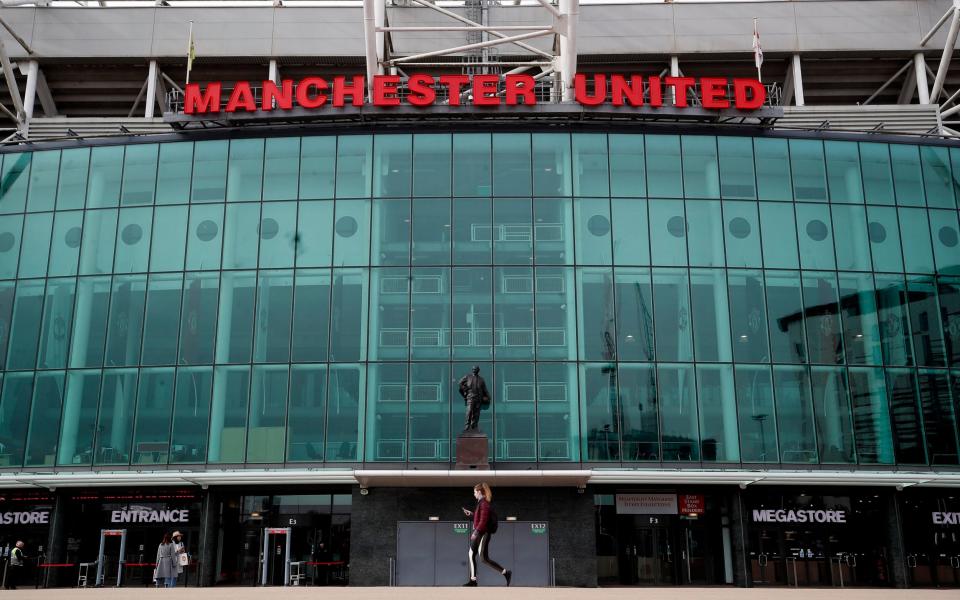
<point>190,51</point>
<point>756,42</point>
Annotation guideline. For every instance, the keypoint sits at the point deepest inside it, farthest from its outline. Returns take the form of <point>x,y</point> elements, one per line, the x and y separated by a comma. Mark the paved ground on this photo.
<point>716,593</point>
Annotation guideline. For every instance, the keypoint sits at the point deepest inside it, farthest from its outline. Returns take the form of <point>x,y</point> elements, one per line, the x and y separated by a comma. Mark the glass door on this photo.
<point>647,557</point>
<point>694,568</point>
<point>766,557</point>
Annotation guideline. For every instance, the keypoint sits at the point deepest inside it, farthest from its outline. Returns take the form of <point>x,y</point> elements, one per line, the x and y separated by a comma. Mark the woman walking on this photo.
<point>166,572</point>
<point>484,526</point>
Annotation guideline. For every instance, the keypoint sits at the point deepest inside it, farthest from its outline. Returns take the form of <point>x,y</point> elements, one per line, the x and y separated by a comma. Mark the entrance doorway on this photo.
<point>275,558</point>
<point>672,554</point>
<point>932,539</point>
<point>110,558</point>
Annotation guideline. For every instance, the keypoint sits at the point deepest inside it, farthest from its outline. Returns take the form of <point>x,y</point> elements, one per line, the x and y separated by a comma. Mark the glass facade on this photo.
<point>630,299</point>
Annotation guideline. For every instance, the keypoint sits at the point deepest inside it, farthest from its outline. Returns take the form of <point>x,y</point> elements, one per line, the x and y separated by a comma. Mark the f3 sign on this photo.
<point>595,89</point>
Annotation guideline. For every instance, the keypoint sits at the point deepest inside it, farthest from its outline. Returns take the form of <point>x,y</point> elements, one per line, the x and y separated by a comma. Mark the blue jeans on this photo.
<point>170,582</point>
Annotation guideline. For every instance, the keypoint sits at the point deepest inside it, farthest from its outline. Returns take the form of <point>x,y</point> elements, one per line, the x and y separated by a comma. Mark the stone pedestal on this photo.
<point>472,450</point>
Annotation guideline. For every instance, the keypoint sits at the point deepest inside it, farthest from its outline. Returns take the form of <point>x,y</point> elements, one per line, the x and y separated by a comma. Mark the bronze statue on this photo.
<point>474,391</point>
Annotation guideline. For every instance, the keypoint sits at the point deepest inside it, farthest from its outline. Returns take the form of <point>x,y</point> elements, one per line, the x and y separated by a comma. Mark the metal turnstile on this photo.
<point>268,533</point>
<point>111,533</point>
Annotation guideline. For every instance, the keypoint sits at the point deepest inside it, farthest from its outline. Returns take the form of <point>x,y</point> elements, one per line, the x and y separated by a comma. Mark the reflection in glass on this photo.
<point>871,417</point>
<point>748,316</point>
<point>679,429</point>
<point>639,412</point>
<point>756,414</point>
<point>671,299</point>
<point>798,438</point>
<point>598,397</point>
<point>718,414</point>
<point>832,407</point>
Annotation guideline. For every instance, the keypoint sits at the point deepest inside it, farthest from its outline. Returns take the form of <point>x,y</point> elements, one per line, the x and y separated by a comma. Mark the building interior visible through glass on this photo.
<point>629,298</point>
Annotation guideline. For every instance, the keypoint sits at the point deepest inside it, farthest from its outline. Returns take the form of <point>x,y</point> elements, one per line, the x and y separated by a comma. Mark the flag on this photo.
<point>191,52</point>
<point>757,50</point>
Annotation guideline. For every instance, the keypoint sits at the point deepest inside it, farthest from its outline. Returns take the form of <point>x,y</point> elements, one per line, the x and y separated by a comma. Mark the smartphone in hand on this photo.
<point>466,512</point>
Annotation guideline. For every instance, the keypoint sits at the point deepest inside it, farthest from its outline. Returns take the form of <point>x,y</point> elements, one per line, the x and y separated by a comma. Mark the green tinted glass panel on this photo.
<point>430,413</point>
<point>41,450</point>
<point>386,430</point>
<point>278,230</point>
<point>169,238</point>
<point>773,169</point>
<point>103,183</point>
<point>392,166</point>
<point>318,161</point>
<point>430,231</point>
<point>235,331</point>
<point>909,446</point>
<point>704,233</point>
<point>600,441</point>
<point>701,170</point>
<point>25,325</point>
<point>741,234</point>
<point>907,177</point>
<point>471,164</point>
<point>79,418</point>
<point>737,176</point>
<point>778,222</point>
<point>884,232</point>
<point>710,316</point>
<point>57,321</point>
<point>245,171</point>
<point>36,244</point>
<point>628,173</point>
<point>513,313</point>
<point>266,435</point>
<point>668,232</point>
<point>877,173</point>
<point>679,423</point>
<point>274,306</point>
<point>134,227</point>
<point>65,243</point>
<point>511,164</point>
<point>191,413</point>
<point>795,417</point>
<point>946,235</point>
<point>551,164</point>
<point>348,328</point>
<point>209,171</point>
<point>346,384</point>
<point>311,316</point>
<point>665,177</point>
<point>162,319</point>
<point>593,231</point>
<point>281,168</point>
<point>15,412</point>
<point>351,227</point>
<point>937,176</point>
<point>432,164</point>
<point>472,231</point>
<point>241,225</point>
<point>871,416</point>
<point>115,419</point>
<point>72,184</point>
<point>308,394</point>
<point>10,229</point>
<point>671,300</point>
<point>139,174</point>
<point>631,242</point>
<point>99,239</point>
<point>14,182</point>
<point>748,316</point>
<point>354,166</point>
<point>90,322</point>
<point>757,415</point>
<point>821,318</point>
<point>806,161</point>
<point>314,235</point>
<point>853,243</point>
<point>861,330</point>
<point>205,237</point>
<point>228,415</point>
<point>591,175</point>
<point>843,171</point>
<point>43,181</point>
<point>917,247</point>
<point>718,414</point>
<point>391,232</point>
<point>638,401</point>
<point>472,329</point>
<point>785,317</point>
<point>596,313</point>
<point>198,321</point>
<point>174,167</point>
<point>126,320</point>
<point>557,412</point>
<point>151,437</point>
<point>815,234</point>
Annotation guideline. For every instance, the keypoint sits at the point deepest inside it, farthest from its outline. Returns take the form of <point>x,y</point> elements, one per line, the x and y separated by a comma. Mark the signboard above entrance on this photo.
<point>595,89</point>
<point>646,504</point>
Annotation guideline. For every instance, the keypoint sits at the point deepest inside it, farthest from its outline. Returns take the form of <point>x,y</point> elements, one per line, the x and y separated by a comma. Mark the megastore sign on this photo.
<point>27,517</point>
<point>799,516</point>
<point>595,89</point>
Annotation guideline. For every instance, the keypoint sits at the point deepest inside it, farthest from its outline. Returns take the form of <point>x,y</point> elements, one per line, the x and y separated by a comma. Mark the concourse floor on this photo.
<point>411,593</point>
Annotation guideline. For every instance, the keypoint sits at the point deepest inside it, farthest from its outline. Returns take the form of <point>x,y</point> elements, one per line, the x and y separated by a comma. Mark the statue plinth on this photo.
<point>472,451</point>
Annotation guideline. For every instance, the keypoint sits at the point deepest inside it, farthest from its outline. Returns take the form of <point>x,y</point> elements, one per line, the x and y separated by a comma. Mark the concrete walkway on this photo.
<point>409,593</point>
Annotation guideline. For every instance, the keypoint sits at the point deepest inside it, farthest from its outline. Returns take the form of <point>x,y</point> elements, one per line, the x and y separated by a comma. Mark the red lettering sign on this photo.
<point>594,89</point>
<point>691,504</point>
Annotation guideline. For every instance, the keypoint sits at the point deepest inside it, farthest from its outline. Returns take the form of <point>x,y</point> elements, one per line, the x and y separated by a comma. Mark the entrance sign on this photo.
<point>799,516</point>
<point>946,518</point>
<point>646,504</point>
<point>32,517</point>
<point>712,93</point>
<point>148,515</point>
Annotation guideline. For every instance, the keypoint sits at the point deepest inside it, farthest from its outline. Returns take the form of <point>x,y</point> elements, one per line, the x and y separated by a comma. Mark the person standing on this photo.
<point>181,553</point>
<point>166,573</point>
<point>15,566</point>
<point>484,526</point>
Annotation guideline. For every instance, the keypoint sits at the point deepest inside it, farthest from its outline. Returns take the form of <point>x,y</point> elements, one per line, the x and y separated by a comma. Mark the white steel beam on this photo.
<point>787,94</point>
<point>465,47</point>
<point>12,86</point>
<point>462,19</point>
<point>273,73</point>
<point>379,20</point>
<point>936,27</point>
<point>30,94</point>
<point>370,41</point>
<point>920,70</point>
<point>45,97</point>
<point>491,28</point>
<point>797,80</point>
<point>570,16</point>
<point>151,103</point>
<point>909,86</point>
<point>889,81</point>
<point>557,14</point>
<point>947,55</point>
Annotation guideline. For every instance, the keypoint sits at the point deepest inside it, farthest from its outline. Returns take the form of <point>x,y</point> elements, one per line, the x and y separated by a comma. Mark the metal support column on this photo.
<point>920,68</point>
<point>12,86</point>
<point>570,15</point>
<point>374,59</point>
<point>797,80</point>
<point>30,94</point>
<point>674,72</point>
<point>947,55</point>
<point>151,102</point>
